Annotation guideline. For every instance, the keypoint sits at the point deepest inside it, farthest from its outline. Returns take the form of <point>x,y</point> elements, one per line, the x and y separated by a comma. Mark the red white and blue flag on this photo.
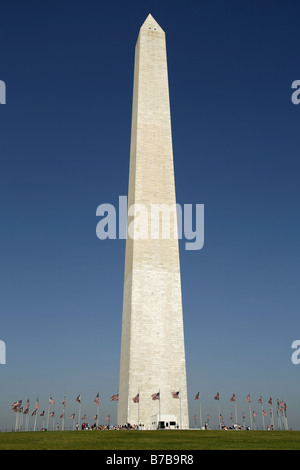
<point>136,399</point>
<point>155,396</point>
<point>96,400</point>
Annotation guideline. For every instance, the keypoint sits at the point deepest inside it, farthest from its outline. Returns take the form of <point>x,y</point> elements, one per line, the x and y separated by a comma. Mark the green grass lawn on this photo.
<point>151,440</point>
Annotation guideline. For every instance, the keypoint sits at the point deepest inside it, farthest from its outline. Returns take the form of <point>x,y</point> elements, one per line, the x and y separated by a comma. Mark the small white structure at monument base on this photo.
<point>163,422</point>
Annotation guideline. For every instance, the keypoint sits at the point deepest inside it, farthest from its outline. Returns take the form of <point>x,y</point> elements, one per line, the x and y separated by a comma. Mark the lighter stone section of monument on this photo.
<point>152,345</point>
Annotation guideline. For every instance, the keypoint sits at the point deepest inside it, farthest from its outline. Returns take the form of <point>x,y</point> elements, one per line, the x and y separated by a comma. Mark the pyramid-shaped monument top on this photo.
<point>150,23</point>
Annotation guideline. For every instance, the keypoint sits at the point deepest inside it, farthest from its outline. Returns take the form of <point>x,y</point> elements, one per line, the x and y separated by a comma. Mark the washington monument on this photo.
<point>152,387</point>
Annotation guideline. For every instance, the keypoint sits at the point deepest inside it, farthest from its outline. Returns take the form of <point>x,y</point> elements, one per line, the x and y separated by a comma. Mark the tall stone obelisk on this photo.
<point>152,346</point>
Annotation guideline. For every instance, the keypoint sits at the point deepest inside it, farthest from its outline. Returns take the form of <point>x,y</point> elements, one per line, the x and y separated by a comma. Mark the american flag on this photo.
<point>136,399</point>
<point>51,401</point>
<point>248,398</point>
<point>96,400</point>
<point>260,399</point>
<point>42,413</point>
<point>61,415</point>
<point>114,397</point>
<point>197,397</point>
<point>254,413</point>
<point>27,405</point>
<point>264,413</point>
<point>72,416</point>
<point>155,396</point>
<point>232,398</point>
<point>78,398</point>
<point>95,417</point>
<point>270,401</point>
<point>107,418</point>
<point>217,396</point>
<point>243,415</point>
<point>36,404</point>
<point>33,413</point>
<point>16,405</point>
<point>64,403</point>
<point>175,394</point>
<point>52,414</point>
<point>83,417</point>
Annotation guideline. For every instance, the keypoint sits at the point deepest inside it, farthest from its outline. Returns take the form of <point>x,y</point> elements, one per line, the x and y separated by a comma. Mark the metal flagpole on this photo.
<point>16,423</point>
<point>138,409</point>
<point>236,419</point>
<point>217,397</point>
<point>278,415</point>
<point>79,410</point>
<point>248,399</point>
<point>17,420</point>
<point>263,417</point>
<point>97,403</point>
<point>180,409</point>
<point>278,418</point>
<point>285,412</point>
<point>271,416</point>
<point>22,418</point>
<point>270,402</point>
<point>17,428</point>
<point>51,402</point>
<point>26,412</point>
<point>233,399</point>
<point>34,427</point>
<point>48,414</point>
<point>200,410</point>
<point>254,420</point>
<point>136,399</point>
<point>261,403</point>
<point>198,397</point>
<point>159,409</point>
<point>63,418</point>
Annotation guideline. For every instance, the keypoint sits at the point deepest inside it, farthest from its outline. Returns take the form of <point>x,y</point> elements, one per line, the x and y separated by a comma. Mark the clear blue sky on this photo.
<point>64,149</point>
